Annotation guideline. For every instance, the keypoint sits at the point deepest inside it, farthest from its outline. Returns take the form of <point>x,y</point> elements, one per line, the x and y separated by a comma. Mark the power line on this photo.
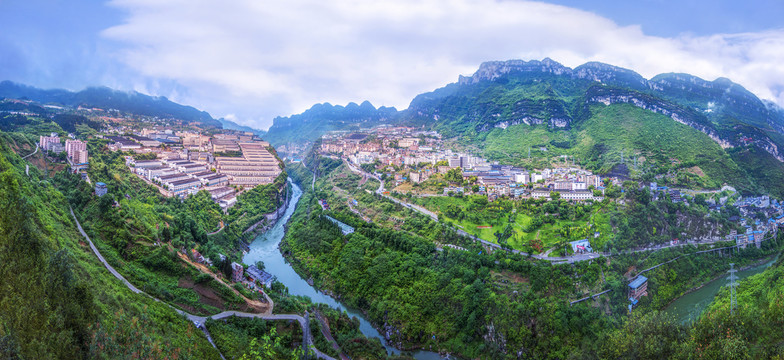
<point>733,284</point>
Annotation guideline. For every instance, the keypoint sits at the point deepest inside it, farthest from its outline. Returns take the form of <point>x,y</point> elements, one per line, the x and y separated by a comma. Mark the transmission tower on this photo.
<point>529,153</point>
<point>733,284</point>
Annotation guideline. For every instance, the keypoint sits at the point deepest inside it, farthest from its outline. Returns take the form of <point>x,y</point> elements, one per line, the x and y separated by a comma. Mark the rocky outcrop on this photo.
<point>492,70</point>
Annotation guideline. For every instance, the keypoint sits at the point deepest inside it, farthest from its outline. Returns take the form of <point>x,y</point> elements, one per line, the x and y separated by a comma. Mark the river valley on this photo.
<point>688,307</point>
<point>265,248</point>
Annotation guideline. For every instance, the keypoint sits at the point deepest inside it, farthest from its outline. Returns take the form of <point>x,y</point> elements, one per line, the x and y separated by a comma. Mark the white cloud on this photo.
<point>262,59</point>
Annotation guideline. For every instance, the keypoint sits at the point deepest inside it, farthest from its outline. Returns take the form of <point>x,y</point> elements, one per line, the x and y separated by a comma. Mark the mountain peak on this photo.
<point>610,74</point>
<point>491,70</point>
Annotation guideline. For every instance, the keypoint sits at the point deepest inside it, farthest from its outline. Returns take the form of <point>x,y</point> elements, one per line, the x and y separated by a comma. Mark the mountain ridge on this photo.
<point>507,108</point>
<point>105,97</point>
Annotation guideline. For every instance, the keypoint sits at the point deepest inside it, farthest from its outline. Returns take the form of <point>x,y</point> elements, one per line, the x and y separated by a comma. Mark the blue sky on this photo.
<point>251,61</point>
<point>699,17</point>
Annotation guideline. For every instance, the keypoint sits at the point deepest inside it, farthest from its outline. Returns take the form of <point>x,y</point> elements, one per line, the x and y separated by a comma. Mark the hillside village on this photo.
<point>178,158</point>
<point>411,160</point>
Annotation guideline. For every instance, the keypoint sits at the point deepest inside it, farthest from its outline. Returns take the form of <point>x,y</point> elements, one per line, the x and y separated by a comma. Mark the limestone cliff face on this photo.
<point>720,108</point>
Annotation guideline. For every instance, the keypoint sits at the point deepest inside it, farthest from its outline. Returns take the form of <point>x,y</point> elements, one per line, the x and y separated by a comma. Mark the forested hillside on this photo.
<point>57,300</point>
<point>320,118</point>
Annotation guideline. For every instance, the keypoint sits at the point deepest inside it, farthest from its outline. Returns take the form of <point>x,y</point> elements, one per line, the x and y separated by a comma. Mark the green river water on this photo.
<point>688,307</point>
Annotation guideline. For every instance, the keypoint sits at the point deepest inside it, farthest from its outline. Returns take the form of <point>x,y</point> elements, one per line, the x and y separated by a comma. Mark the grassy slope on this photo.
<point>656,137</point>
<point>549,234</point>
<point>763,168</point>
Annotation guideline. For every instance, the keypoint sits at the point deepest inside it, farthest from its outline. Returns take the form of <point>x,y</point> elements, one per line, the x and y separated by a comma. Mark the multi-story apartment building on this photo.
<point>71,148</point>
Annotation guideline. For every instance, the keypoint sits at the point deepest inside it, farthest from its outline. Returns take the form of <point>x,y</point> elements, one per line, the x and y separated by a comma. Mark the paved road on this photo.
<point>31,154</point>
<point>199,320</point>
<point>101,258</point>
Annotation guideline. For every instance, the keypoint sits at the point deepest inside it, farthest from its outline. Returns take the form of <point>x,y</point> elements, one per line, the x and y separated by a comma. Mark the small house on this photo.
<point>581,246</point>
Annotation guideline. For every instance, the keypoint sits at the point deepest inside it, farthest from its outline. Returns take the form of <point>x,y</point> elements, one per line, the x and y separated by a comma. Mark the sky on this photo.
<point>250,60</point>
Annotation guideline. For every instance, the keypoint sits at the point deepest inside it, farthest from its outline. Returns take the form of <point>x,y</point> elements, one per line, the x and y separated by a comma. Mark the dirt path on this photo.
<point>260,307</point>
<point>328,335</point>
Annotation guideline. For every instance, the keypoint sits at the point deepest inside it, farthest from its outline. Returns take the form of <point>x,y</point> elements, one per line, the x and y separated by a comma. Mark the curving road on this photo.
<point>31,154</point>
<point>199,320</point>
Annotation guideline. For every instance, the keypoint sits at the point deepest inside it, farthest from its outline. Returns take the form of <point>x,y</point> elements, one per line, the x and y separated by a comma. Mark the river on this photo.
<point>265,248</point>
<point>688,307</point>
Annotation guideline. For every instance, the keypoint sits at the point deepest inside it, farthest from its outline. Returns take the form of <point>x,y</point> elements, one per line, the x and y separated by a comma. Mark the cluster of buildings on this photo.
<point>188,162</point>
<point>756,230</point>
<point>410,148</point>
<point>76,150</point>
<point>181,177</point>
<point>496,180</point>
<point>398,146</point>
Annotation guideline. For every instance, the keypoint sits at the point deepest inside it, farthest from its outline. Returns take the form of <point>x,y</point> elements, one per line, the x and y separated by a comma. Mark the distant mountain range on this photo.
<point>231,125</point>
<point>674,128</point>
<point>320,118</point>
<point>106,98</point>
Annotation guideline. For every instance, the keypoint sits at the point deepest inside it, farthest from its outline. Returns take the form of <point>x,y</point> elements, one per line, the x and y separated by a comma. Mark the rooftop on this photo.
<point>186,181</point>
<point>638,282</point>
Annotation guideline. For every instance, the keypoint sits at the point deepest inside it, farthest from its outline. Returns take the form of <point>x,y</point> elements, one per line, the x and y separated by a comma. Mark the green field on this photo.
<point>518,216</point>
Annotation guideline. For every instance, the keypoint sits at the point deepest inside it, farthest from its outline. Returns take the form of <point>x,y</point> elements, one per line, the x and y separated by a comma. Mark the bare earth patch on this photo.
<point>696,171</point>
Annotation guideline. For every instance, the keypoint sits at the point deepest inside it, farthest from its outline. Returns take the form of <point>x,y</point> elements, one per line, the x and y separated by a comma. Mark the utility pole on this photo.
<point>733,284</point>
<point>621,156</point>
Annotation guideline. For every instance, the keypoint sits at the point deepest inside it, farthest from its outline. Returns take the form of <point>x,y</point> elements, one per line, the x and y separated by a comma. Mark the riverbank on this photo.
<point>384,329</point>
<point>269,221</point>
<point>704,283</point>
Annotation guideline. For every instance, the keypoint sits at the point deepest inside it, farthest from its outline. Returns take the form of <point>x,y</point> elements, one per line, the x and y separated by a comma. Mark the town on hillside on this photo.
<point>177,158</point>
<point>407,158</point>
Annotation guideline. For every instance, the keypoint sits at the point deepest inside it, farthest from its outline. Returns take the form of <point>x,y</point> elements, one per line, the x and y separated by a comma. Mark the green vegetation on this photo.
<point>140,232</point>
<point>754,331</point>
<point>659,144</point>
<point>530,225</point>
<point>498,304</point>
<point>623,220</point>
<point>243,338</point>
<point>57,300</point>
<point>320,118</point>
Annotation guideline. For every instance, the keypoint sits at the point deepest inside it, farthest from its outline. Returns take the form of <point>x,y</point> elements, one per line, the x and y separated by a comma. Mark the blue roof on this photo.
<point>638,281</point>
<point>633,300</point>
<point>100,184</point>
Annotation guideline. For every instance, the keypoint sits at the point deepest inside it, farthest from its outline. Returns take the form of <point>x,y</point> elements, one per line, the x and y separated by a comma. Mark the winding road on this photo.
<point>31,154</point>
<point>199,320</point>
